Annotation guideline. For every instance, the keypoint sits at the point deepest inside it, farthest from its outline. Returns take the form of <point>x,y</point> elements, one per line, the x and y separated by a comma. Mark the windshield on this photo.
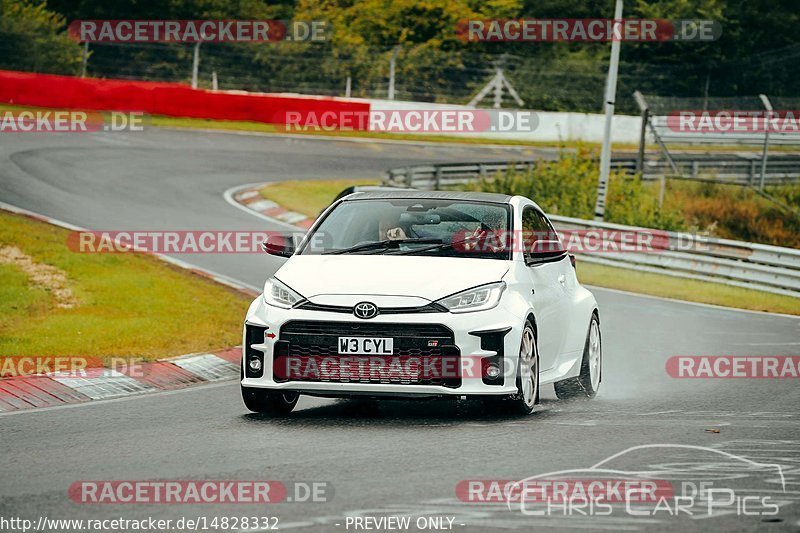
<point>432,227</point>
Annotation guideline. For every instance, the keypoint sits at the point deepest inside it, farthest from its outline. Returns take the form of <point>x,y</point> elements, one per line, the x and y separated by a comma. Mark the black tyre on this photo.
<point>527,395</point>
<point>269,403</point>
<point>588,381</point>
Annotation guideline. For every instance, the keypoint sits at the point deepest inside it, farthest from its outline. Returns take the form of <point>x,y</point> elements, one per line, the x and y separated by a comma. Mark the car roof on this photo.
<point>432,195</point>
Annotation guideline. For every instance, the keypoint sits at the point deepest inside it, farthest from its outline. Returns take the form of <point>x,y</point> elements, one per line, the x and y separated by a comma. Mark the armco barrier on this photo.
<point>728,169</point>
<point>742,264</point>
<point>170,99</point>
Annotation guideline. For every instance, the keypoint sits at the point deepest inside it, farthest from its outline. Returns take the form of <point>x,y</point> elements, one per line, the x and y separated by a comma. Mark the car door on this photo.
<point>548,285</point>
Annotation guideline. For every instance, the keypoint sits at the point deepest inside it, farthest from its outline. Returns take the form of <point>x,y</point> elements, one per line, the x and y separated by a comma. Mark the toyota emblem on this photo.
<point>365,310</point>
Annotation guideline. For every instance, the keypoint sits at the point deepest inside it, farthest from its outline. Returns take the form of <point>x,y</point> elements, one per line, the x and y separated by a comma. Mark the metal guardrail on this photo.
<point>738,170</point>
<point>742,264</point>
<point>735,170</point>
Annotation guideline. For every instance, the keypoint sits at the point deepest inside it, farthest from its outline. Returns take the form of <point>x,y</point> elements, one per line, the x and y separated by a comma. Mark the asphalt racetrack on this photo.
<point>393,458</point>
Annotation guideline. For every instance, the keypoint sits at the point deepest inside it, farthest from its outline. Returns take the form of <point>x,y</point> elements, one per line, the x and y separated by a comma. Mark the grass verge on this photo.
<point>310,197</point>
<point>125,304</point>
<point>685,289</point>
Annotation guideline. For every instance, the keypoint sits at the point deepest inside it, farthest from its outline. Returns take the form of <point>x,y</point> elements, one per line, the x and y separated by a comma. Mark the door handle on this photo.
<point>562,279</point>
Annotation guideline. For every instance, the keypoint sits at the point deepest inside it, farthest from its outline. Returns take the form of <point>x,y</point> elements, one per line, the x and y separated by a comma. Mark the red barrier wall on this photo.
<point>171,99</point>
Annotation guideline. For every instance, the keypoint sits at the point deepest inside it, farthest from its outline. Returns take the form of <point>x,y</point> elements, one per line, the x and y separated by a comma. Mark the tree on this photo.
<point>33,38</point>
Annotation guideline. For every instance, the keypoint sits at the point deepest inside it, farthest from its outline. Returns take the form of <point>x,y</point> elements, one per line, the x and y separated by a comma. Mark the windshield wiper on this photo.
<point>378,245</point>
<point>440,246</point>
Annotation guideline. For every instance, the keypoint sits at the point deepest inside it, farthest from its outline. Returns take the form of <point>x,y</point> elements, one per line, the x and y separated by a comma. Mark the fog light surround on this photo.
<point>254,364</point>
<point>492,370</point>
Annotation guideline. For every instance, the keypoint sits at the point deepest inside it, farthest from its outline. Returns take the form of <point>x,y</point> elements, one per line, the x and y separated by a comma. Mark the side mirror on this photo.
<point>545,251</point>
<point>280,245</point>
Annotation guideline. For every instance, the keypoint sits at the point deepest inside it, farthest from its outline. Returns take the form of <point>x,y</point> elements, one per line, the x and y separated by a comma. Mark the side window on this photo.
<point>535,231</point>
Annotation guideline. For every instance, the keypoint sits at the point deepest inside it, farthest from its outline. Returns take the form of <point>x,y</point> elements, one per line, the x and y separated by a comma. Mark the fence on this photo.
<point>658,117</point>
<point>547,77</point>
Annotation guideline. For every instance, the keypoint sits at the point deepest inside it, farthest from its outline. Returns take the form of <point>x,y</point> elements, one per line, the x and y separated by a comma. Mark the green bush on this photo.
<point>568,187</point>
<point>733,212</point>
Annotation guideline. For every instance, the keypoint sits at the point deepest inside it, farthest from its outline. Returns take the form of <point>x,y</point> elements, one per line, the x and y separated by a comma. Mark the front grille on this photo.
<point>375,329</point>
<point>309,343</point>
<point>429,308</point>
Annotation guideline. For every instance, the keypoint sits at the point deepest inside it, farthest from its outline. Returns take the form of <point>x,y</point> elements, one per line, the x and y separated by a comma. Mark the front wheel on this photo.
<point>527,394</point>
<point>269,403</point>
<point>588,381</point>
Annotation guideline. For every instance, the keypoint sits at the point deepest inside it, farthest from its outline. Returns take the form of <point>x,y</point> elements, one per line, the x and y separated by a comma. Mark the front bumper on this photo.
<point>473,339</point>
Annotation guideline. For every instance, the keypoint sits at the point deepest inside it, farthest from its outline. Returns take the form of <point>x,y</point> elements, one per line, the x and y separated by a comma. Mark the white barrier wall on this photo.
<point>553,126</point>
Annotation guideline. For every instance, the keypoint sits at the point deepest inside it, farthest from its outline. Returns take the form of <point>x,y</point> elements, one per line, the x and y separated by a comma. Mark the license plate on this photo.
<point>366,345</point>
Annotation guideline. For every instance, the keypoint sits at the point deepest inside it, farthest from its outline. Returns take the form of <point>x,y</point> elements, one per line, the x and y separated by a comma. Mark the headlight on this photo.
<point>477,299</point>
<point>279,294</point>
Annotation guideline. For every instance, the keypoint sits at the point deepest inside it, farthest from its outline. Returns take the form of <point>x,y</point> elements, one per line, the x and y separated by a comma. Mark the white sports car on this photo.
<point>422,294</point>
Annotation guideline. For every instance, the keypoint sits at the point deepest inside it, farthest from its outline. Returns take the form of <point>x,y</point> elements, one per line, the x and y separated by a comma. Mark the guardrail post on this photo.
<point>410,176</point>
<point>642,140</point>
<point>695,168</point>
<point>751,175</point>
<point>438,178</point>
<point>643,105</point>
<point>481,170</point>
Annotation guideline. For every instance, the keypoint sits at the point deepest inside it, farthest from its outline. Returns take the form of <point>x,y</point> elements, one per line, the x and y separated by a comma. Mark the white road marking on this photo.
<point>206,365</point>
<point>109,384</point>
<point>229,197</point>
<point>696,304</point>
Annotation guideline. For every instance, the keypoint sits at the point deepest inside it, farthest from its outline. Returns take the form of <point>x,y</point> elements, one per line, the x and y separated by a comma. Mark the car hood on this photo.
<point>426,277</point>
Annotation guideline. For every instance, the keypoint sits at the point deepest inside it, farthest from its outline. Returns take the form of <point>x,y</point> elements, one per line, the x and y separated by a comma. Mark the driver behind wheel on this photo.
<point>390,229</point>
